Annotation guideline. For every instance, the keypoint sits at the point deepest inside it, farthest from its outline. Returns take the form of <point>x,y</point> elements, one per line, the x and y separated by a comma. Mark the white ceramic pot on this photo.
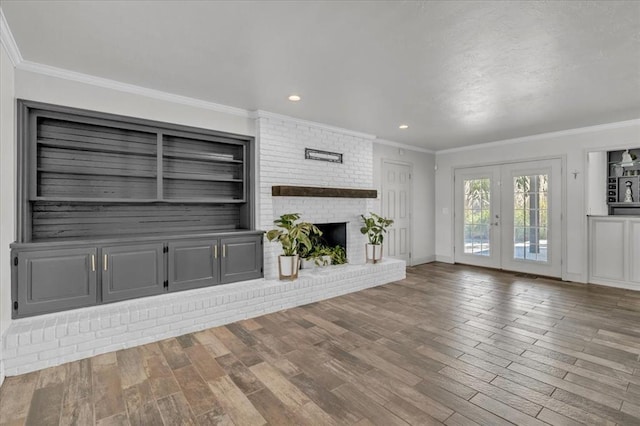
<point>373,253</point>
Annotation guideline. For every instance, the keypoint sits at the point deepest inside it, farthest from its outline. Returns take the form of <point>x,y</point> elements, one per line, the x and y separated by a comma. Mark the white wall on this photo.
<point>423,196</point>
<point>571,145</point>
<point>7,190</point>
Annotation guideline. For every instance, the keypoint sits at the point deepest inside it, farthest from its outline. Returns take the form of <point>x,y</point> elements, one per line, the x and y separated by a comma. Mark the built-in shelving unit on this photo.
<point>622,175</point>
<point>103,199</point>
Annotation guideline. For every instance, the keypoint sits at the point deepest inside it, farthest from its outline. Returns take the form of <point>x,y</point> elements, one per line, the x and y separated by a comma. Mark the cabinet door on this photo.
<point>55,280</point>
<point>607,247</point>
<point>193,264</point>
<point>241,258</point>
<point>132,271</point>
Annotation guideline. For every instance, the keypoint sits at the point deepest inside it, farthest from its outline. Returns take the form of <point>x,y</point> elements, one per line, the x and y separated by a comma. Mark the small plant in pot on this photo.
<point>374,228</point>
<point>323,255</point>
<point>294,237</point>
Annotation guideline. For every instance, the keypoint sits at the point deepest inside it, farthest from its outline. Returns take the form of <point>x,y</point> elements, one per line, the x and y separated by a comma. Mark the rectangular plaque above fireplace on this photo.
<point>316,191</point>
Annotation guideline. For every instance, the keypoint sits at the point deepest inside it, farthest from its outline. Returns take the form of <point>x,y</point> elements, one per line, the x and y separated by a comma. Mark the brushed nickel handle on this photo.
<point>106,261</point>
<point>224,250</point>
<point>215,252</point>
<point>93,263</point>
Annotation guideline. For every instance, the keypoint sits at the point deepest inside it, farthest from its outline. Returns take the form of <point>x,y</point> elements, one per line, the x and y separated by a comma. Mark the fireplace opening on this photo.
<point>333,234</point>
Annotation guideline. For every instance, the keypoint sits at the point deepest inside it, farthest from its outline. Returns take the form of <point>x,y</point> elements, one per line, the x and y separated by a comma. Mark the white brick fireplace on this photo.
<point>281,153</point>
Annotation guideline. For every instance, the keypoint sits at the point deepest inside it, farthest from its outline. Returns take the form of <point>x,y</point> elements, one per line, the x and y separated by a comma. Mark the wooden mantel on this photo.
<point>315,191</point>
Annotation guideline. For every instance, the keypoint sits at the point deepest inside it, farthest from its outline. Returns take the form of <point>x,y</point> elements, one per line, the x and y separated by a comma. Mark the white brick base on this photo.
<point>34,343</point>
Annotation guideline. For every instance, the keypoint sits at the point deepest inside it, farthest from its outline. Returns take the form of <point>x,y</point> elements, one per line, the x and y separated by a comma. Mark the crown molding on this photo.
<point>542,136</point>
<point>404,146</point>
<point>273,116</point>
<point>128,88</point>
<point>7,40</point>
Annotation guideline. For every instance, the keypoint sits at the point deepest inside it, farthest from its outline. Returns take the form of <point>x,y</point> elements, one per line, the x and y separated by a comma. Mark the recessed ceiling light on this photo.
<point>294,98</point>
<point>403,126</point>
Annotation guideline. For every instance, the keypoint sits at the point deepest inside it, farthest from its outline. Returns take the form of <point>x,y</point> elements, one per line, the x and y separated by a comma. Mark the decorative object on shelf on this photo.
<point>294,237</point>
<point>618,170</point>
<point>628,194</point>
<point>316,154</point>
<point>374,228</point>
<point>627,159</point>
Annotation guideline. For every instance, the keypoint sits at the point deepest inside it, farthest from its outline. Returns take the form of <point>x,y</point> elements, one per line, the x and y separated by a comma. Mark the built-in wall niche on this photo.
<point>623,181</point>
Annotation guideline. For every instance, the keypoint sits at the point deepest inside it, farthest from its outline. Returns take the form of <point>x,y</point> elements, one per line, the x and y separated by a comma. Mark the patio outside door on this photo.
<point>508,217</point>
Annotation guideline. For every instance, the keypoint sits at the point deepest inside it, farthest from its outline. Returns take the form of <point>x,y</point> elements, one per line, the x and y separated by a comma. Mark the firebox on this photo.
<point>334,234</point>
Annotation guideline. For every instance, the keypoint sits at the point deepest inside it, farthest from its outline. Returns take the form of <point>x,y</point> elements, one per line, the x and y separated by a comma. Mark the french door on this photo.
<point>509,217</point>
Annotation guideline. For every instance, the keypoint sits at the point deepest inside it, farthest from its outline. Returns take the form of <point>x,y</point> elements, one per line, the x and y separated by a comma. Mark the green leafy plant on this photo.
<point>374,227</point>
<point>315,238</point>
<point>337,254</point>
<point>294,237</point>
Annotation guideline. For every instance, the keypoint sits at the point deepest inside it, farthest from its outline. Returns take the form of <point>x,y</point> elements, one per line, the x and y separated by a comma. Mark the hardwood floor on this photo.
<point>450,344</point>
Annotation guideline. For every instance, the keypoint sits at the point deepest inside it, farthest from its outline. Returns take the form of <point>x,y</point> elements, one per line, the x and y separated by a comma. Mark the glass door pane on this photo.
<point>477,216</point>
<point>530,213</point>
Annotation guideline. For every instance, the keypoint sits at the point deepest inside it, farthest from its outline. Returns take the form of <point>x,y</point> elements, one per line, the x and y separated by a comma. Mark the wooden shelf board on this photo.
<point>138,200</point>
<point>200,156</point>
<point>104,149</point>
<point>313,191</point>
<point>195,176</point>
<point>94,172</point>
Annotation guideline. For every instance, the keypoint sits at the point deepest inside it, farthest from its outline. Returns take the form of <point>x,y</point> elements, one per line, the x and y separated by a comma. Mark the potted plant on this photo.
<point>294,237</point>
<point>308,255</point>
<point>374,228</point>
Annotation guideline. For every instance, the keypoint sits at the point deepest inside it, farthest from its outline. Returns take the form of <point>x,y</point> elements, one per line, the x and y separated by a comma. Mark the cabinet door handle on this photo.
<point>93,263</point>
<point>215,252</point>
<point>106,259</point>
<point>224,250</point>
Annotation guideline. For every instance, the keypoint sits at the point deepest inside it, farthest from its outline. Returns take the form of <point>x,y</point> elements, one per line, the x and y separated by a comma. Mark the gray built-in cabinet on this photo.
<point>113,208</point>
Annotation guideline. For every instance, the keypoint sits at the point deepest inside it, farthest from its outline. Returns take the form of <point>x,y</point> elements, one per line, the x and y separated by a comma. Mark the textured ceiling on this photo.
<point>459,73</point>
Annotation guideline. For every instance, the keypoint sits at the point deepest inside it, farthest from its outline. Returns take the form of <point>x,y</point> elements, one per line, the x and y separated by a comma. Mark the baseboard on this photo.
<point>445,259</point>
<point>420,260</point>
<point>1,370</point>
<point>617,284</point>
<point>577,278</point>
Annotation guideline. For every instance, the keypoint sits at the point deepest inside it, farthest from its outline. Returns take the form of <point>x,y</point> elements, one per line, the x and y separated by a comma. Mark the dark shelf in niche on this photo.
<point>314,191</point>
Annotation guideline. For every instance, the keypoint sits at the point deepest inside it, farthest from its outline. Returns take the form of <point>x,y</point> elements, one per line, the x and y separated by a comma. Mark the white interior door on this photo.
<point>396,205</point>
<point>509,217</point>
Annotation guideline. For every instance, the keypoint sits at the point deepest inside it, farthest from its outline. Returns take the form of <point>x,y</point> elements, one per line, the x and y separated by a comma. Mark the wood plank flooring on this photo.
<point>450,344</point>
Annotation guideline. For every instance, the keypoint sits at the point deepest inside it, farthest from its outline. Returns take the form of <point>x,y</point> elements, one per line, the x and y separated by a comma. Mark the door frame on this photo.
<point>563,197</point>
<point>382,188</point>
